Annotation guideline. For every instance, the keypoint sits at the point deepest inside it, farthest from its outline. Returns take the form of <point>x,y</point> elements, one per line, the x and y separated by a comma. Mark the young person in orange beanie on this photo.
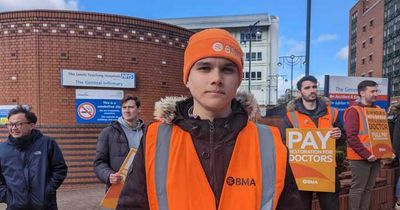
<point>204,153</point>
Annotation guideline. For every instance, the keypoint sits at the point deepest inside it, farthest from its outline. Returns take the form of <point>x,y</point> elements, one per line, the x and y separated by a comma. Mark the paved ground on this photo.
<point>87,199</point>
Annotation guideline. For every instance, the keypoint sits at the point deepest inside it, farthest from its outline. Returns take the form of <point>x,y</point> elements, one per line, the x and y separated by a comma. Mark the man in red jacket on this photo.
<point>363,164</point>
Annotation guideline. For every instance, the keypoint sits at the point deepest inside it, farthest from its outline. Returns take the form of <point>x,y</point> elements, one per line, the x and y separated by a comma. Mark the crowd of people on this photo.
<point>205,151</point>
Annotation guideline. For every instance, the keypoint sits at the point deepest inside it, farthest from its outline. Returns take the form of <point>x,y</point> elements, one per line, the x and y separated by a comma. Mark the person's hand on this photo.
<point>372,158</point>
<point>336,133</point>
<point>115,178</point>
<point>393,156</point>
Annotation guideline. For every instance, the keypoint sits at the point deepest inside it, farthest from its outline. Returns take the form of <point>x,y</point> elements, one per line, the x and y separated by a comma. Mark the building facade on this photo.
<point>35,46</point>
<point>263,58</point>
<point>366,38</point>
<point>43,52</point>
<point>391,45</point>
<point>374,43</point>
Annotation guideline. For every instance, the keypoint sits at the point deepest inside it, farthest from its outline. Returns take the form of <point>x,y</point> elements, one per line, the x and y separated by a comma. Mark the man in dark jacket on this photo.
<point>32,165</point>
<point>116,140</point>
<point>209,133</point>
<point>312,108</point>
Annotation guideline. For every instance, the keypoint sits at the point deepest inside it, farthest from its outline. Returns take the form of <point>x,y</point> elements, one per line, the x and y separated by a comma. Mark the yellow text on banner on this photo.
<point>312,158</point>
<point>378,129</point>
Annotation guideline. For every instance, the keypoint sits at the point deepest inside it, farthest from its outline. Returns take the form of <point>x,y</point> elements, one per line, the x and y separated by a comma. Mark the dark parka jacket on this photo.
<point>111,151</point>
<point>214,156</point>
<point>31,173</point>
<point>321,110</point>
<point>396,136</point>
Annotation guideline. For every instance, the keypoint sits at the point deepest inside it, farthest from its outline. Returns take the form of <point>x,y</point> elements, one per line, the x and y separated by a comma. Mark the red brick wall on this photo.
<point>36,45</point>
<point>35,53</point>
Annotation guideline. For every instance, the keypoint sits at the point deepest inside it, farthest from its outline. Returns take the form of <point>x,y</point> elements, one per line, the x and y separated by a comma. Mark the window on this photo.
<point>371,40</point>
<point>253,75</point>
<point>371,23</point>
<point>242,37</point>
<point>255,36</point>
<point>363,61</point>
<point>370,74</point>
<point>259,56</point>
<point>370,57</point>
<point>259,75</point>
<point>259,36</point>
<point>364,28</point>
<point>363,45</point>
<point>246,76</point>
<point>255,56</point>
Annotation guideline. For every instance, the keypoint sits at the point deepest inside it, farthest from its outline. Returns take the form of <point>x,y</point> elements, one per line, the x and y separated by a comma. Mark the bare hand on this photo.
<point>115,178</point>
<point>336,133</point>
<point>372,158</point>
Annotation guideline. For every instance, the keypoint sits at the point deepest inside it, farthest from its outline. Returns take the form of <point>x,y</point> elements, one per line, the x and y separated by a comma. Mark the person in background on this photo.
<point>32,166</point>
<point>116,140</point>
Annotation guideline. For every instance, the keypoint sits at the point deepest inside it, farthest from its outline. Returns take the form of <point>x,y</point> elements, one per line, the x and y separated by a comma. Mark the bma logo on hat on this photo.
<point>218,46</point>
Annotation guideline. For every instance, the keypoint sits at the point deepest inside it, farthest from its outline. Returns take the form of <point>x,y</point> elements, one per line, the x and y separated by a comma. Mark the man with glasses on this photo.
<point>309,110</point>
<point>32,166</point>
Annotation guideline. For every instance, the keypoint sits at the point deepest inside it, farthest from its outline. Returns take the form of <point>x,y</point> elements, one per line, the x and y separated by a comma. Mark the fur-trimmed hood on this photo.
<point>291,106</point>
<point>165,108</point>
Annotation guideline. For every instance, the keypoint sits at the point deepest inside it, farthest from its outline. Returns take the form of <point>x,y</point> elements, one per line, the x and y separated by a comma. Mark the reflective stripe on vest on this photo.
<point>162,153</point>
<point>294,119</point>
<point>363,133</point>
<point>363,118</point>
<point>268,155</point>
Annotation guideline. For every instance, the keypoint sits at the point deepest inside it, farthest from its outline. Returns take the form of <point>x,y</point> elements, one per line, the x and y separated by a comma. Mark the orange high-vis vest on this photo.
<point>176,180</point>
<point>300,120</point>
<point>363,133</point>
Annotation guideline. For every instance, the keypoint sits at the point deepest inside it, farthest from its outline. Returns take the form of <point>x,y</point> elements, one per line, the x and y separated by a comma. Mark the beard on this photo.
<point>309,98</point>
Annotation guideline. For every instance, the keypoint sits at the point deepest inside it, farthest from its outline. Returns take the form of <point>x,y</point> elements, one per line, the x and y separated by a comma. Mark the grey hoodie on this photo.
<point>132,134</point>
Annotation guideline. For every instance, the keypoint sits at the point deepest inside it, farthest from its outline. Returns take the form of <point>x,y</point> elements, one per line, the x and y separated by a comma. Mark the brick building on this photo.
<point>36,45</point>
<point>366,38</point>
<point>374,43</point>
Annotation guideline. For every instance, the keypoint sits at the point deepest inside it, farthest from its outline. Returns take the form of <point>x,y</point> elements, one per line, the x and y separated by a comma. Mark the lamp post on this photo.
<point>308,37</point>
<point>291,60</point>
<point>252,29</point>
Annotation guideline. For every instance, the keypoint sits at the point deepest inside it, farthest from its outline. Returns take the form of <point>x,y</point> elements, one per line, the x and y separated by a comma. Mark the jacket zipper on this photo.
<point>212,171</point>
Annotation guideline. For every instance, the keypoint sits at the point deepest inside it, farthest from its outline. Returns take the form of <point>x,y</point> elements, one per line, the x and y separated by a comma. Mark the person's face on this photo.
<point>18,126</point>
<point>130,112</point>
<point>308,91</point>
<point>213,83</point>
<point>369,94</point>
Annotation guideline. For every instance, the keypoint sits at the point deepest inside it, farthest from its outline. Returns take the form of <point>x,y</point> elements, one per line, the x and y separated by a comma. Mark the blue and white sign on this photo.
<point>342,91</point>
<point>98,106</point>
<point>97,78</point>
<point>4,110</point>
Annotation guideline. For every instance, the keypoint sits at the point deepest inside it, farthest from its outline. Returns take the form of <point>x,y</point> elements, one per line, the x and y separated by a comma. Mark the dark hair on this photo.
<point>30,116</point>
<point>366,83</point>
<point>306,78</point>
<point>129,97</point>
